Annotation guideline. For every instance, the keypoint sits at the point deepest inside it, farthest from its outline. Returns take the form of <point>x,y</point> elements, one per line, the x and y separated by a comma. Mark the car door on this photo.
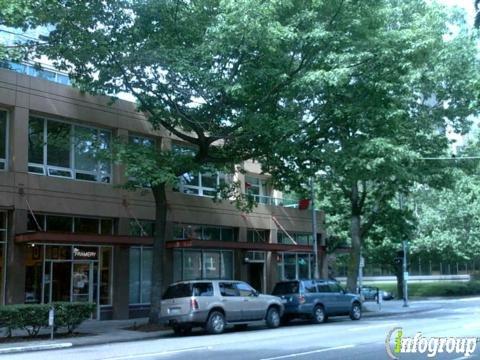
<point>231,301</point>
<point>326,297</point>
<point>254,306</point>
<point>342,301</point>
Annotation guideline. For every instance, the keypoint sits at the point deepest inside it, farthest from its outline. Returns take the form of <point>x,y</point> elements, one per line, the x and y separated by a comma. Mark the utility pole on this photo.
<point>405,274</point>
<point>314,230</point>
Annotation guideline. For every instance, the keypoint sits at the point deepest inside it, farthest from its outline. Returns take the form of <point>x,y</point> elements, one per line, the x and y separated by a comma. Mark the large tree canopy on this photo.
<point>406,73</point>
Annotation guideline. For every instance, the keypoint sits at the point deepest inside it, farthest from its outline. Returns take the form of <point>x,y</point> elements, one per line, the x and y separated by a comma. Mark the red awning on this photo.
<point>208,244</point>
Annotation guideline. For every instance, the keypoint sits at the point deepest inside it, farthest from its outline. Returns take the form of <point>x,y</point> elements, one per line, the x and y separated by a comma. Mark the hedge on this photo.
<point>32,317</point>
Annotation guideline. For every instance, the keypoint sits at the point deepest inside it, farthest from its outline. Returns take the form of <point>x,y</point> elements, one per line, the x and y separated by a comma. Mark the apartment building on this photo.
<point>69,232</point>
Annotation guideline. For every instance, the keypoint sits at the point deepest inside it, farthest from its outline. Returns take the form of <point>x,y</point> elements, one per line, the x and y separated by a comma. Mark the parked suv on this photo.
<point>214,304</point>
<point>316,300</point>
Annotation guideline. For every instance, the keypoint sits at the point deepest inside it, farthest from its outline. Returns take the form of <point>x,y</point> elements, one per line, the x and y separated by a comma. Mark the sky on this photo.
<point>468,5</point>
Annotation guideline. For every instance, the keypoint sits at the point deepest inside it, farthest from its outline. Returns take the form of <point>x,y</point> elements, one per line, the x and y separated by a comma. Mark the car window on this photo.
<point>245,290</point>
<point>228,289</point>
<point>310,287</point>
<point>178,291</point>
<point>287,287</point>
<point>203,289</point>
<point>335,287</point>
<point>323,288</point>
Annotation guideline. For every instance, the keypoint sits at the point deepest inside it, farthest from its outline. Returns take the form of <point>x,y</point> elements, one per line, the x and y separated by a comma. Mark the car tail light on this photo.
<point>301,299</point>
<point>193,304</point>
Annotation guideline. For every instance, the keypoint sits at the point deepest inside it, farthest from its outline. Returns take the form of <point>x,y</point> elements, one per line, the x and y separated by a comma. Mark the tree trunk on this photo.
<point>354,261</point>
<point>158,256</point>
<point>399,274</point>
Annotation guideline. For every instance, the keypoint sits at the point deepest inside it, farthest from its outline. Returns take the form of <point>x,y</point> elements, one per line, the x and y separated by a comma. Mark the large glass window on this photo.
<point>257,188</point>
<point>140,275</point>
<point>299,238</point>
<point>64,150</point>
<point>295,266</point>
<point>81,225</point>
<point>141,227</point>
<point>257,235</point>
<point>3,139</point>
<point>199,264</point>
<point>203,232</point>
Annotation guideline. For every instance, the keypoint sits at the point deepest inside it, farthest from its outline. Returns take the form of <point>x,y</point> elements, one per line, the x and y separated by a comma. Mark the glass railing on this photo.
<point>273,201</point>
<point>32,70</point>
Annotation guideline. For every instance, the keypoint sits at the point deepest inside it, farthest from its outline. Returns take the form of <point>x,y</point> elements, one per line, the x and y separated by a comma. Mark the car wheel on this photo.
<point>273,318</point>
<point>318,315</point>
<point>182,330</point>
<point>356,312</point>
<point>215,323</point>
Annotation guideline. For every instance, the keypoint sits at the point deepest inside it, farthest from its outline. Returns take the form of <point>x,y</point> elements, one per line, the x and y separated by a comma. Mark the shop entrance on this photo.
<point>70,281</point>
<point>256,274</point>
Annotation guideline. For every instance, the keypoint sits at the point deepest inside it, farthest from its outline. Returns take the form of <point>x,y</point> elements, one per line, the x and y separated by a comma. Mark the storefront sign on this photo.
<point>85,253</point>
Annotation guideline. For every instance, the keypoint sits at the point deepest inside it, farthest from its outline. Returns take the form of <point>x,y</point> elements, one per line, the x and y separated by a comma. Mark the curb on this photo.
<point>20,349</point>
<point>380,314</point>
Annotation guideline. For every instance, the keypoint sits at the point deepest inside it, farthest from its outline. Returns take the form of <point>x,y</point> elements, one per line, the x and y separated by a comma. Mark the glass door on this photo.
<point>82,282</point>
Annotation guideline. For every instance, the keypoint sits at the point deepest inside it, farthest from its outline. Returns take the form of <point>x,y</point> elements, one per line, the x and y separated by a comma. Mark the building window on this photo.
<point>3,140</point>
<point>70,151</point>
<point>141,227</point>
<point>202,264</point>
<point>295,266</point>
<point>141,140</point>
<point>69,224</point>
<point>257,236</point>
<point>203,232</point>
<point>202,184</point>
<point>257,188</point>
<point>300,238</point>
<point>3,257</point>
<point>33,70</point>
<point>140,275</point>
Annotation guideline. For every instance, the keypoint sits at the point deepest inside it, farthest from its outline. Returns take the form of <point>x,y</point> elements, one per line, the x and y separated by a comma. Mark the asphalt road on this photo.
<point>339,338</point>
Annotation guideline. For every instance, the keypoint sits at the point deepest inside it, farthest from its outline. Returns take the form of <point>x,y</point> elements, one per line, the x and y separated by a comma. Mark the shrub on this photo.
<point>70,315</point>
<point>32,317</point>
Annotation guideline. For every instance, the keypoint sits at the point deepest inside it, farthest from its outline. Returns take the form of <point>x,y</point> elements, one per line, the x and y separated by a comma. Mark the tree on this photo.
<point>218,75</point>
<point>402,77</point>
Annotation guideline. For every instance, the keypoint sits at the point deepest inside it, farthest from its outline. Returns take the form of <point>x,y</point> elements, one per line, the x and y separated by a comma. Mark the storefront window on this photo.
<point>33,274</point>
<point>198,264</point>
<point>294,266</point>
<point>140,275</point>
<point>299,238</point>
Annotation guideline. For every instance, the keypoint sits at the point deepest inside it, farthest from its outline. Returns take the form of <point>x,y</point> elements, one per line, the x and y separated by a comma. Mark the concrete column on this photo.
<point>15,271</point>
<point>19,140</point>
<point>118,170</point>
<point>121,272</point>
<point>272,270</point>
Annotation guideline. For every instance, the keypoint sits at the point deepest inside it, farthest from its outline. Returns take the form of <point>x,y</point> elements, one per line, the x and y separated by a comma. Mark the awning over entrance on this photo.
<point>93,239</point>
<point>87,239</point>
<point>208,244</point>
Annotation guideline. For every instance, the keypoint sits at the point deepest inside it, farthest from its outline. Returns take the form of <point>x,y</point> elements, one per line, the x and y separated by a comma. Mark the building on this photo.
<point>68,232</point>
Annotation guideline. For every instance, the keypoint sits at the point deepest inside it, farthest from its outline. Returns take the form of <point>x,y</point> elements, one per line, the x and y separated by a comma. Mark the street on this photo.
<point>339,338</point>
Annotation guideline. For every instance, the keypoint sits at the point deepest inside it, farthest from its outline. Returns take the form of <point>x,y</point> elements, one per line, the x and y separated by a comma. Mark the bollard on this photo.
<point>51,321</point>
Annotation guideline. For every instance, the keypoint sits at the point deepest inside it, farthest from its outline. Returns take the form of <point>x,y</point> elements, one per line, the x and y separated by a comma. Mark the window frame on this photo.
<point>47,170</point>
<point>4,161</point>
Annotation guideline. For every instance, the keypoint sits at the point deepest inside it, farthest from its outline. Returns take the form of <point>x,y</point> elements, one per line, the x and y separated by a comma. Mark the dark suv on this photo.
<point>316,300</point>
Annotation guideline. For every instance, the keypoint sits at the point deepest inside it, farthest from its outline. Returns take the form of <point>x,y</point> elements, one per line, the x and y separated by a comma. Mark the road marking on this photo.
<point>310,352</point>
<point>138,356</point>
<point>362,328</point>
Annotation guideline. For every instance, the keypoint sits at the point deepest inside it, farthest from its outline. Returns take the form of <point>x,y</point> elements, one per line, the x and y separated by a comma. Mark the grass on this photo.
<point>434,289</point>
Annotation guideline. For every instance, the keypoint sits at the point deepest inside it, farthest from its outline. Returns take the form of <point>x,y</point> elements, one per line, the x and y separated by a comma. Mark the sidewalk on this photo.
<point>105,332</point>
<point>395,307</point>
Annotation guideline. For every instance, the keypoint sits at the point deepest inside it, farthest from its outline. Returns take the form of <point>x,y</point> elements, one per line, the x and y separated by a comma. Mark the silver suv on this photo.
<point>214,304</point>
